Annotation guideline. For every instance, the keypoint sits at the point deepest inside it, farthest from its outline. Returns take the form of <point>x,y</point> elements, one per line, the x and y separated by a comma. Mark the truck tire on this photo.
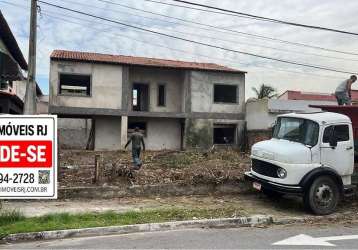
<point>322,196</point>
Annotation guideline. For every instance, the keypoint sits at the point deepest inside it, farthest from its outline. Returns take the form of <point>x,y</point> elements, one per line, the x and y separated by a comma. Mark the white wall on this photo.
<point>261,114</point>
<point>258,116</point>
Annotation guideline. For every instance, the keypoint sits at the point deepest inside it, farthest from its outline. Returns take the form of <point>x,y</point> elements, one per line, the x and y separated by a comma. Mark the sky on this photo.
<point>60,29</point>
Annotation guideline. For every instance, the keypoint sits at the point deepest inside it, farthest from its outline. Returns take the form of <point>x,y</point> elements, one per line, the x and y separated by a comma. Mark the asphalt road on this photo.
<point>238,238</point>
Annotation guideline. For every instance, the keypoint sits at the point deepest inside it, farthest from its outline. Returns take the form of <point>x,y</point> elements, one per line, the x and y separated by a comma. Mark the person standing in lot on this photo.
<point>343,91</point>
<point>137,141</point>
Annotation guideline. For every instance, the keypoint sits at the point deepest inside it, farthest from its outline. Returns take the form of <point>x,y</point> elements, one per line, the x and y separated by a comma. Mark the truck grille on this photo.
<point>264,168</point>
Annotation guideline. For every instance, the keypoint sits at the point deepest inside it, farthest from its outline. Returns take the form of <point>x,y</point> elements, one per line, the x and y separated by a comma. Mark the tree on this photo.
<point>265,91</point>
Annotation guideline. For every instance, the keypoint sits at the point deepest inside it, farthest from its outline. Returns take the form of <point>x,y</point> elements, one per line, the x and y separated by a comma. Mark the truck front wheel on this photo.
<point>322,196</point>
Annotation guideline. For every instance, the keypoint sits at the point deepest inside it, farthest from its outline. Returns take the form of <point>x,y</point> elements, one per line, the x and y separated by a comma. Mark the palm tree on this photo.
<point>265,91</point>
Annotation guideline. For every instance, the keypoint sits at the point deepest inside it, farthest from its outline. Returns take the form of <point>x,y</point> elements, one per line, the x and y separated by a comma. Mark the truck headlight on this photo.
<point>281,173</point>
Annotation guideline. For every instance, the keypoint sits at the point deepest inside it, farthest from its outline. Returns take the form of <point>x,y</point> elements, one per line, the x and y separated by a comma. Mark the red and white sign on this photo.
<point>28,157</point>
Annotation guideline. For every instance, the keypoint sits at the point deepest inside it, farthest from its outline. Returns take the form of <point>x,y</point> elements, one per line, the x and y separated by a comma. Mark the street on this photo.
<point>276,237</point>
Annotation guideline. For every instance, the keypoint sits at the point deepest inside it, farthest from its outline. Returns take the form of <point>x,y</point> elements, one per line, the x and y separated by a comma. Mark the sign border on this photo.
<point>54,158</point>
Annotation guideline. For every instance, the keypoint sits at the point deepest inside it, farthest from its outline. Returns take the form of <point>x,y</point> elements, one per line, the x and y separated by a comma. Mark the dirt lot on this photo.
<point>76,168</point>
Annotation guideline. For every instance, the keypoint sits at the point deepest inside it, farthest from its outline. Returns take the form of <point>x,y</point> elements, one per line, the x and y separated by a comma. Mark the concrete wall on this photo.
<point>163,133</point>
<point>107,133</point>
<point>42,104</point>
<point>258,116</point>
<point>199,132</point>
<point>171,78</point>
<point>20,89</point>
<point>261,114</point>
<point>202,92</point>
<point>106,85</point>
<point>73,133</point>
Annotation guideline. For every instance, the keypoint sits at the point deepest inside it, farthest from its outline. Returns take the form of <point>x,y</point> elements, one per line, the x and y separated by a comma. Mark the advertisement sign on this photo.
<point>28,157</point>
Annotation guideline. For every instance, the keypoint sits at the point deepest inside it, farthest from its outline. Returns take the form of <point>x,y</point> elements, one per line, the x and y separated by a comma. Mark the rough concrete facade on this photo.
<point>171,79</point>
<point>73,133</point>
<point>161,134</point>
<point>202,88</point>
<point>108,133</point>
<point>199,132</point>
<point>106,85</point>
<point>186,120</point>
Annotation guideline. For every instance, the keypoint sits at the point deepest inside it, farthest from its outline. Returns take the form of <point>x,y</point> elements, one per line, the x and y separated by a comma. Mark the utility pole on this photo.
<point>30,96</point>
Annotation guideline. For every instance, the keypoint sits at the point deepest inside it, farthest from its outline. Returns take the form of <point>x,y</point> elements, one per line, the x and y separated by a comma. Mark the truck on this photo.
<point>310,155</point>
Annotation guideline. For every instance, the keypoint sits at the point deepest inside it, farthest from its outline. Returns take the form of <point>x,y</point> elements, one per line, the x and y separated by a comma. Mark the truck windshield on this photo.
<point>297,130</point>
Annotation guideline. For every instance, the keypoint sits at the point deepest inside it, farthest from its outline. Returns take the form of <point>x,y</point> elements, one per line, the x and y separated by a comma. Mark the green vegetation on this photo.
<point>264,91</point>
<point>8,217</point>
<point>20,224</point>
<point>180,159</point>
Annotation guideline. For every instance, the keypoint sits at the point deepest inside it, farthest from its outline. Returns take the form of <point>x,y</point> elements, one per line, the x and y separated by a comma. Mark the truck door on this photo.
<point>340,157</point>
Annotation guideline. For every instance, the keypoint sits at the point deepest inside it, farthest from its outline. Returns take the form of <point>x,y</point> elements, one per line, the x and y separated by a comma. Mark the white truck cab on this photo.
<point>310,154</point>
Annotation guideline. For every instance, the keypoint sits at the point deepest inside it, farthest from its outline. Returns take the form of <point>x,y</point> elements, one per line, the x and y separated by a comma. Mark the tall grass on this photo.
<point>10,216</point>
<point>16,223</point>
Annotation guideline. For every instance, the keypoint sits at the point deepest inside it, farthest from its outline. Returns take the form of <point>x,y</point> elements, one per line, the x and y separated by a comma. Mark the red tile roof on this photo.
<point>140,61</point>
<point>308,96</point>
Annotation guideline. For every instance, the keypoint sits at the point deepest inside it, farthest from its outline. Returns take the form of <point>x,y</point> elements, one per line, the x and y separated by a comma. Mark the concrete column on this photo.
<point>124,130</point>
<point>126,89</point>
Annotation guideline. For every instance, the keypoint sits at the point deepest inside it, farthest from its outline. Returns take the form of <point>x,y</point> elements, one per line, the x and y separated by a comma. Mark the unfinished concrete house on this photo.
<point>176,105</point>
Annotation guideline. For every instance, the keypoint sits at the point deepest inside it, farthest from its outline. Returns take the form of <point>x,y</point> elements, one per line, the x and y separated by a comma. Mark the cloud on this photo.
<point>99,36</point>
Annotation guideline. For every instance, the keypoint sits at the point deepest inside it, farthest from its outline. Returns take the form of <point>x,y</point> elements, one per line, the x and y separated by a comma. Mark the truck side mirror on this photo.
<point>333,141</point>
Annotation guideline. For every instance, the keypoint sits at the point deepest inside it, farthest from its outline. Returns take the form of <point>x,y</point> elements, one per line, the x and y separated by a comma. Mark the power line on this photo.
<point>196,42</point>
<point>267,19</point>
<point>191,8</point>
<point>221,29</point>
<point>205,36</point>
<point>200,35</point>
<point>233,62</point>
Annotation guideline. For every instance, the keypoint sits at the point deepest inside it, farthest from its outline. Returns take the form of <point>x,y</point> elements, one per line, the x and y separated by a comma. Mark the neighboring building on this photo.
<point>12,68</point>
<point>12,63</point>
<point>312,96</point>
<point>176,104</point>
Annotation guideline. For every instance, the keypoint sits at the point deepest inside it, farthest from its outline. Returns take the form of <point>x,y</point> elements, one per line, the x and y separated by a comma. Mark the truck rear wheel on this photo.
<point>322,196</point>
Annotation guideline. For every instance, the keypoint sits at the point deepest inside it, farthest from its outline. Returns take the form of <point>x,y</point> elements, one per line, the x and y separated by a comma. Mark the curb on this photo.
<point>140,228</point>
<point>164,190</point>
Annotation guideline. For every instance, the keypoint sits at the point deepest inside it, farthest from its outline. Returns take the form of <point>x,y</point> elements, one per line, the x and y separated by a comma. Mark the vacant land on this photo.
<point>76,168</point>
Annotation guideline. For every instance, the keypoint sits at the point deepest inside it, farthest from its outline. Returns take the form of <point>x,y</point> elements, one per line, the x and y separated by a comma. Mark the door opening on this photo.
<point>140,97</point>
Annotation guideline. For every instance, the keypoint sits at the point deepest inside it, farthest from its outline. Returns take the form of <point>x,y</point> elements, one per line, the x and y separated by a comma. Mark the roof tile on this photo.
<point>140,61</point>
